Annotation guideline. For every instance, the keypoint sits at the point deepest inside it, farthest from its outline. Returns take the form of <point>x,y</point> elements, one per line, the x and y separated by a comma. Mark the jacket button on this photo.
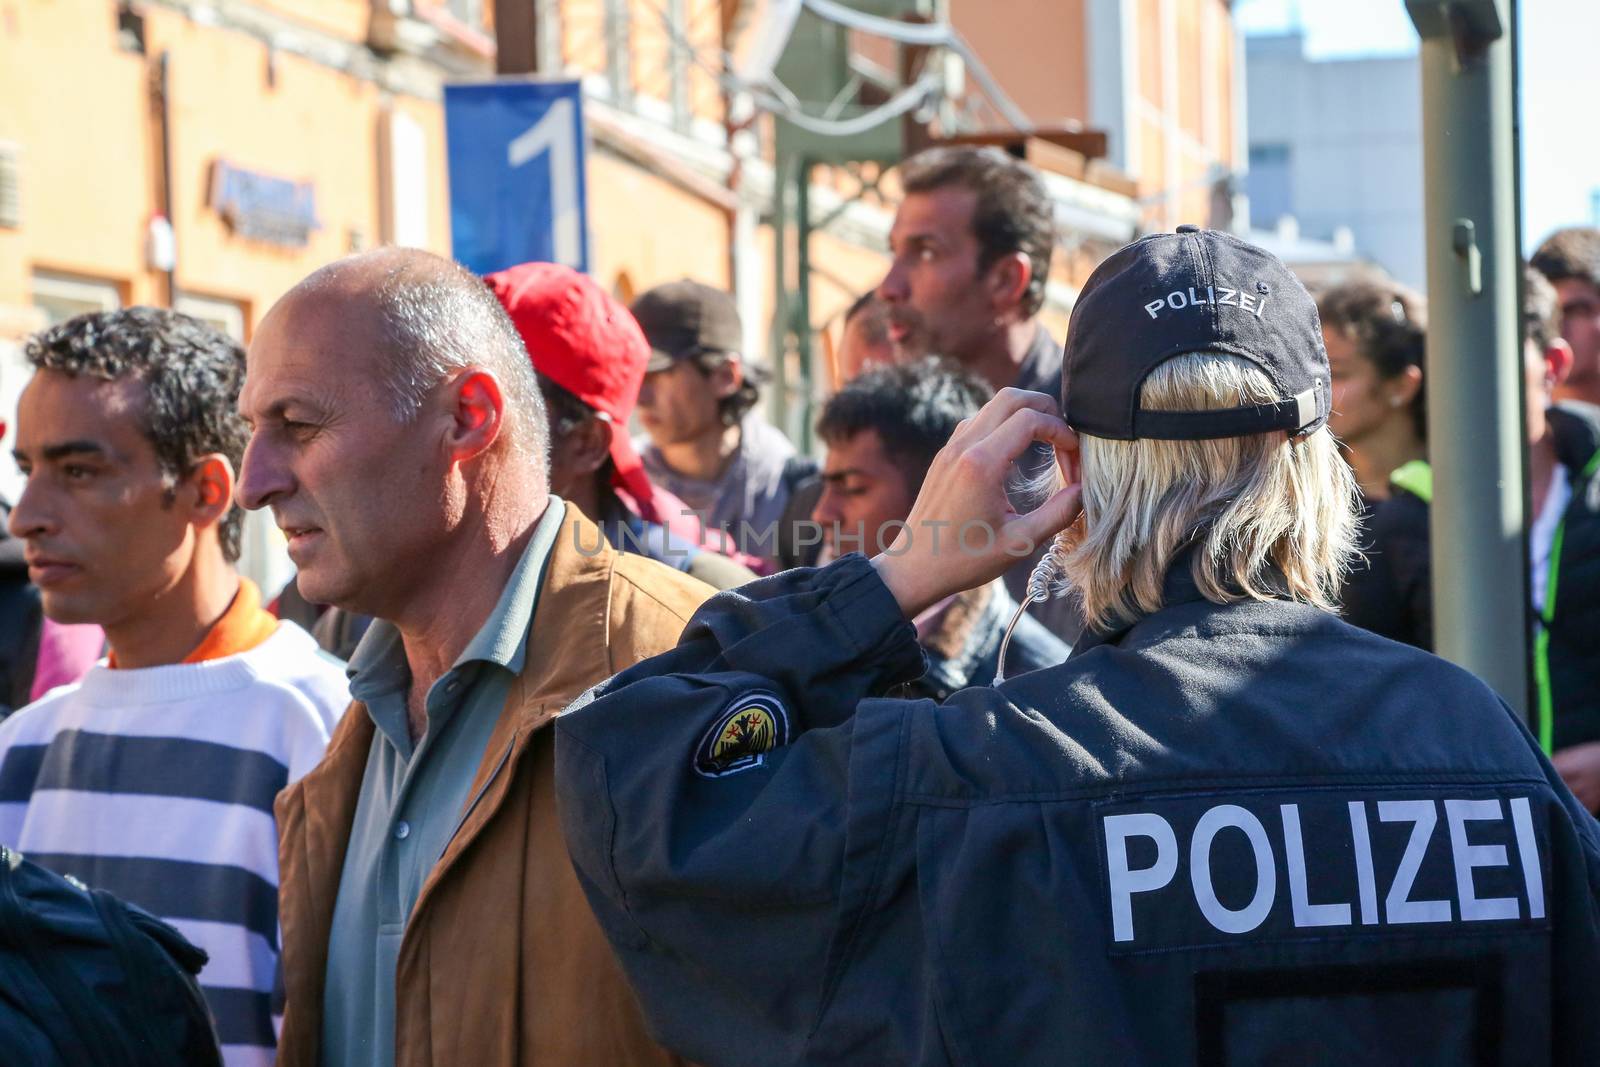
<point>402,829</point>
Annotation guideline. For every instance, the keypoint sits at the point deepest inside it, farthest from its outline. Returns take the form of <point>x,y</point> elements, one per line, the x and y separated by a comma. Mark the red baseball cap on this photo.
<point>586,342</point>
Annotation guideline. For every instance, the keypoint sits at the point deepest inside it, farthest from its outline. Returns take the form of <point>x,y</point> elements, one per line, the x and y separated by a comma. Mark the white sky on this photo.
<point>1560,86</point>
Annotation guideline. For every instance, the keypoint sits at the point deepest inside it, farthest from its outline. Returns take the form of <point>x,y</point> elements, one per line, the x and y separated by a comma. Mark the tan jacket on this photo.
<point>502,964</point>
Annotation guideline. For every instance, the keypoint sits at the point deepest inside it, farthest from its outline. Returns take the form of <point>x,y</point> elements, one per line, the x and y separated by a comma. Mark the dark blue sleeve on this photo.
<point>1575,908</point>
<point>725,813</point>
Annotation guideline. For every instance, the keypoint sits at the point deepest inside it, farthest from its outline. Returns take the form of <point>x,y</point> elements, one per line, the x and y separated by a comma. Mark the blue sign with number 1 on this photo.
<point>517,189</point>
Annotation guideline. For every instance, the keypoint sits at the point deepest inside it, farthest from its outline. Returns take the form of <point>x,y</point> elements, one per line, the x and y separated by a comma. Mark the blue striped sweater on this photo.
<point>157,785</point>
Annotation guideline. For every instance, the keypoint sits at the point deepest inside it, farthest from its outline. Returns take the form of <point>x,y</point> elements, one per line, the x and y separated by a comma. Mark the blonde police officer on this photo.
<point>1229,828</point>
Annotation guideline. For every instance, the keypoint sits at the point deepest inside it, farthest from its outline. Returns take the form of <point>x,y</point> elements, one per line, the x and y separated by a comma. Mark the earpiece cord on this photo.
<point>1046,573</point>
<point>1005,642</point>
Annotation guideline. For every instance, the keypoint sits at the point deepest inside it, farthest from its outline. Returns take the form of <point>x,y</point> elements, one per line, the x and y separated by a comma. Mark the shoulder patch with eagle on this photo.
<point>754,724</point>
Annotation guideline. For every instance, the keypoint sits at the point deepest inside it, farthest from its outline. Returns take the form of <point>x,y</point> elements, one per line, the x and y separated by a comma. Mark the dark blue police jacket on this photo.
<point>1243,834</point>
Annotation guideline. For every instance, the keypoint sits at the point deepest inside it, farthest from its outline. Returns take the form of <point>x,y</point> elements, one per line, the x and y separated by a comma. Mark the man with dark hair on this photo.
<point>154,776</point>
<point>590,355</point>
<point>36,652</point>
<point>1395,597</point>
<point>708,446</point>
<point>430,915</point>
<point>865,342</point>
<point>971,247</point>
<point>1570,260</point>
<point>883,431</point>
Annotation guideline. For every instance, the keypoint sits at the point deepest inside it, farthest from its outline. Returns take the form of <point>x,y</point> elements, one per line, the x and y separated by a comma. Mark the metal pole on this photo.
<point>799,428</point>
<point>1475,422</point>
<point>163,117</point>
<point>778,396</point>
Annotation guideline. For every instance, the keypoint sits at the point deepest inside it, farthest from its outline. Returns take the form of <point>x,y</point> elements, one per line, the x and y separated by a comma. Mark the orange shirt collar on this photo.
<point>242,627</point>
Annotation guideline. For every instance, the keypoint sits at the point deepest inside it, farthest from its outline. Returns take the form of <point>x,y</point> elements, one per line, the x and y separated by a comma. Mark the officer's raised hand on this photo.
<point>962,530</point>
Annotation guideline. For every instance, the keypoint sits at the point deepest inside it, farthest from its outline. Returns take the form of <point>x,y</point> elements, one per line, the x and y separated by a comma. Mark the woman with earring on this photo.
<point>1375,333</point>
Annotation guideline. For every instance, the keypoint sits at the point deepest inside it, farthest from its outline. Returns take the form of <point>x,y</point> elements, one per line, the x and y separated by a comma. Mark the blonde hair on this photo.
<point>1250,506</point>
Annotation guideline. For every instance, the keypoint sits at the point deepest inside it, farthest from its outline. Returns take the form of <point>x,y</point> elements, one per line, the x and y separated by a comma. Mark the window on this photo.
<point>130,29</point>
<point>61,296</point>
<point>404,174</point>
<point>10,187</point>
<point>619,66</point>
<point>469,12</point>
<point>1264,155</point>
<point>225,315</point>
<point>679,51</point>
<point>1270,183</point>
<point>549,41</point>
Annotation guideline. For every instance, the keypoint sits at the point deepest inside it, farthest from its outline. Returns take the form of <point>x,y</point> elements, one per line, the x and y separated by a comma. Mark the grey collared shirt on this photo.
<point>413,799</point>
<point>752,489</point>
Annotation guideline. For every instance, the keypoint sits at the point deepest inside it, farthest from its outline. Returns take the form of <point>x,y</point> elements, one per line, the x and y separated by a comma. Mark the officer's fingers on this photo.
<point>1018,432</point>
<point>958,439</point>
<point>1003,405</point>
<point>1048,519</point>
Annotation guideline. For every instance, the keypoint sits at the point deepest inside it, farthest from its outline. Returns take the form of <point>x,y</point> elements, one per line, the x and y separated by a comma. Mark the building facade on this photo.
<point>206,154</point>
<point>1336,146</point>
<point>1162,78</point>
<point>204,157</point>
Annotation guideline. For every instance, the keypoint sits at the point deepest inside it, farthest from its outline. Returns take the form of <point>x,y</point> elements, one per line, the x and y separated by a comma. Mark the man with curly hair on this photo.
<point>883,431</point>
<point>706,444</point>
<point>154,776</point>
<point>1570,259</point>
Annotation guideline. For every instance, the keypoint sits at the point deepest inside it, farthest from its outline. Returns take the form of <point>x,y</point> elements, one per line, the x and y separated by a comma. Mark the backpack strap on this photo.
<point>59,1002</point>
<point>1416,478</point>
<point>154,955</point>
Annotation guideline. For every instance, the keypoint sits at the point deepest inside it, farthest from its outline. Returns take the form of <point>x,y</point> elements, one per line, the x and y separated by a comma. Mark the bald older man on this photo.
<point>430,915</point>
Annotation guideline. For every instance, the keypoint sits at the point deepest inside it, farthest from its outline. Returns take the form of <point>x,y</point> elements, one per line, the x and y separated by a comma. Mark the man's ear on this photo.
<point>1557,361</point>
<point>477,413</point>
<point>1007,280</point>
<point>588,446</point>
<point>727,377</point>
<point>211,479</point>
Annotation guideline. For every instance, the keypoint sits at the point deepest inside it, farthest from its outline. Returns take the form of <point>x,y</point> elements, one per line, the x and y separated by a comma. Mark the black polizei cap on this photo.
<point>1196,290</point>
<point>686,317</point>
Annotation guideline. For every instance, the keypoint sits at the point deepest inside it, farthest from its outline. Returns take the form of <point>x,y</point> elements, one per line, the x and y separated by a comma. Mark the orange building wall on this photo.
<point>1152,72</point>
<point>583,35</point>
<point>705,31</point>
<point>74,105</point>
<point>342,18</point>
<point>1191,95</point>
<point>1221,87</point>
<point>1034,48</point>
<point>651,49</point>
<point>1185,115</point>
<point>645,228</point>
<point>1181,120</point>
<point>90,164</point>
